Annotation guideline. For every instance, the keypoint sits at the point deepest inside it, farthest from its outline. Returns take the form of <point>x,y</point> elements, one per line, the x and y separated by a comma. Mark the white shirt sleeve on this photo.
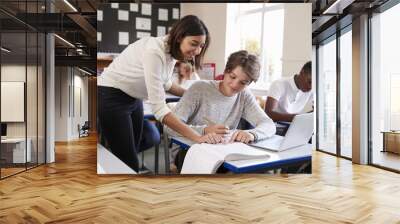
<point>195,76</point>
<point>168,85</point>
<point>275,91</point>
<point>153,68</point>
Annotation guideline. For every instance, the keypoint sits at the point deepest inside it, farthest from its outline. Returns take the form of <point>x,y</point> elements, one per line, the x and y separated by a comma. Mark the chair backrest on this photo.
<point>219,77</point>
<point>86,125</point>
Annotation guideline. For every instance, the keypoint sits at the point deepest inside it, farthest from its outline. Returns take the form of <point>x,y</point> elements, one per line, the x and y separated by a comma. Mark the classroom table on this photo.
<point>297,155</point>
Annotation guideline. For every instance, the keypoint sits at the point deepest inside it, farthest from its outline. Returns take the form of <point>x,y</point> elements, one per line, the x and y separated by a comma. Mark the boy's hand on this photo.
<point>211,138</point>
<point>217,128</point>
<point>242,136</point>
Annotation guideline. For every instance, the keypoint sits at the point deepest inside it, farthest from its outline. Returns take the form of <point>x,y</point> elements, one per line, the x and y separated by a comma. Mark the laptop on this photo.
<point>299,133</point>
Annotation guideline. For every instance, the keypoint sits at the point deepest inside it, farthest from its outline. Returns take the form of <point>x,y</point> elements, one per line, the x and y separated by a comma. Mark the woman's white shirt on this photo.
<point>144,71</point>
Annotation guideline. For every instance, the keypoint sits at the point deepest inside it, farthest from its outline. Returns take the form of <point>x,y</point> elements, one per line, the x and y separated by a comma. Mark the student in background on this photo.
<point>214,107</point>
<point>144,71</point>
<point>184,72</point>
<point>288,97</point>
<point>151,136</point>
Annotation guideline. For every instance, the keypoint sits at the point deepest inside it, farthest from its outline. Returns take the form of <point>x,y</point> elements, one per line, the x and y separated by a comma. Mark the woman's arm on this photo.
<point>172,121</point>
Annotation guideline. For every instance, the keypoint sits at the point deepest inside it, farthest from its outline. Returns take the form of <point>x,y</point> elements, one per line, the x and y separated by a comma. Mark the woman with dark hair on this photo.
<point>144,71</point>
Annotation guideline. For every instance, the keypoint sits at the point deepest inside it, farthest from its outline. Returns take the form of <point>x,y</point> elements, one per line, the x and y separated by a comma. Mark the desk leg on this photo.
<point>166,152</point>
<point>142,159</point>
<point>303,167</point>
<point>156,150</point>
<point>384,143</point>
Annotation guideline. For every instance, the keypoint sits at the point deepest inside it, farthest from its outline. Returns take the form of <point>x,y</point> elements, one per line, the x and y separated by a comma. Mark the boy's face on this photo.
<point>305,82</point>
<point>235,81</point>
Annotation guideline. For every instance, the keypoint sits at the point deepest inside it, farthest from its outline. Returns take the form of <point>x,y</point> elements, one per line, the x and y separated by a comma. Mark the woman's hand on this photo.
<point>217,128</point>
<point>211,138</point>
<point>242,136</point>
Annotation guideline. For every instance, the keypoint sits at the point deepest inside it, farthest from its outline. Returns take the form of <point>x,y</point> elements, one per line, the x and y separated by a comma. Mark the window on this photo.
<point>346,93</point>
<point>22,63</point>
<point>259,28</point>
<point>385,84</point>
<point>327,96</point>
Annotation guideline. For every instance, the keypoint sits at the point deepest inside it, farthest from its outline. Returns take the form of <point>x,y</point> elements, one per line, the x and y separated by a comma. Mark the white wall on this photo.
<point>61,103</point>
<point>70,83</point>
<point>214,17</point>
<point>12,73</point>
<point>297,38</point>
<point>33,126</point>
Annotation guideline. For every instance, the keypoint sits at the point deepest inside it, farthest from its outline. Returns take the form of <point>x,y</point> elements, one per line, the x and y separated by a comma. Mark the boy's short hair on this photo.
<point>249,63</point>
<point>306,69</point>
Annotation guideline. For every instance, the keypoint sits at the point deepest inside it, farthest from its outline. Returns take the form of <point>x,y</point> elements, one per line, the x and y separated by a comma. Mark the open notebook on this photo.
<point>206,158</point>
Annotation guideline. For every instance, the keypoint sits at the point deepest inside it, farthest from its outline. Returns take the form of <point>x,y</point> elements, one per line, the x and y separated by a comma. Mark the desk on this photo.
<point>391,141</point>
<point>296,155</point>
<point>169,98</point>
<point>15,148</point>
<point>108,163</point>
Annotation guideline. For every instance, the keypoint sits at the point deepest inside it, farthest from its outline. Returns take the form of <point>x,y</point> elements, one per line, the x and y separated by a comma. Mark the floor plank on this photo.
<point>70,191</point>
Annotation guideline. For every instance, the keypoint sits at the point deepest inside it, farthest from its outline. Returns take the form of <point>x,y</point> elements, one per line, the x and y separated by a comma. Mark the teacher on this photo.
<point>144,71</point>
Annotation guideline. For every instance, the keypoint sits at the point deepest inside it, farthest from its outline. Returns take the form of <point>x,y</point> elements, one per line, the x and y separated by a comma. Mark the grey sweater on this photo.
<point>203,99</point>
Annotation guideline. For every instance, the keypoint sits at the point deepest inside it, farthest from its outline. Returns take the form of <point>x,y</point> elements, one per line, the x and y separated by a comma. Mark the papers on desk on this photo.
<point>206,158</point>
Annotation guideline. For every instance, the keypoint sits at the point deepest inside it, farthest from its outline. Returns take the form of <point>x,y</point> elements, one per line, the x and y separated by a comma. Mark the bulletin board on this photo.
<point>120,24</point>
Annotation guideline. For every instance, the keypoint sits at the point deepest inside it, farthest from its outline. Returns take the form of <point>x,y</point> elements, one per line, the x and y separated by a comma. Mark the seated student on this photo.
<point>288,97</point>
<point>150,136</point>
<point>225,103</point>
<point>184,72</point>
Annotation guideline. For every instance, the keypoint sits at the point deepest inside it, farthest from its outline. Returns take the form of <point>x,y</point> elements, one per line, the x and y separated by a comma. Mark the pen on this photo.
<point>210,122</point>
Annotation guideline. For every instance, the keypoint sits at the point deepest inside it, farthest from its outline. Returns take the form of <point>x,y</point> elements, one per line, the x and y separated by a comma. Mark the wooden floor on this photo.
<point>70,191</point>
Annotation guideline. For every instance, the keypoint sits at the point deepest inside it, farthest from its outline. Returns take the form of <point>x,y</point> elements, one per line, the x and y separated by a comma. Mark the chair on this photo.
<point>219,77</point>
<point>150,137</point>
<point>84,130</point>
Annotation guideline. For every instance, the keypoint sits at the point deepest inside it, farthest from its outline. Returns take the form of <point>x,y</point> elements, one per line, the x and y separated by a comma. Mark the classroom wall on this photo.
<point>33,126</point>
<point>71,102</point>
<point>214,16</point>
<point>297,38</point>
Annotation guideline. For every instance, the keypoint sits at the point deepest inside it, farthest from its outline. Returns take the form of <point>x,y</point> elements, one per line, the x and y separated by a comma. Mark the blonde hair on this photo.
<point>187,66</point>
